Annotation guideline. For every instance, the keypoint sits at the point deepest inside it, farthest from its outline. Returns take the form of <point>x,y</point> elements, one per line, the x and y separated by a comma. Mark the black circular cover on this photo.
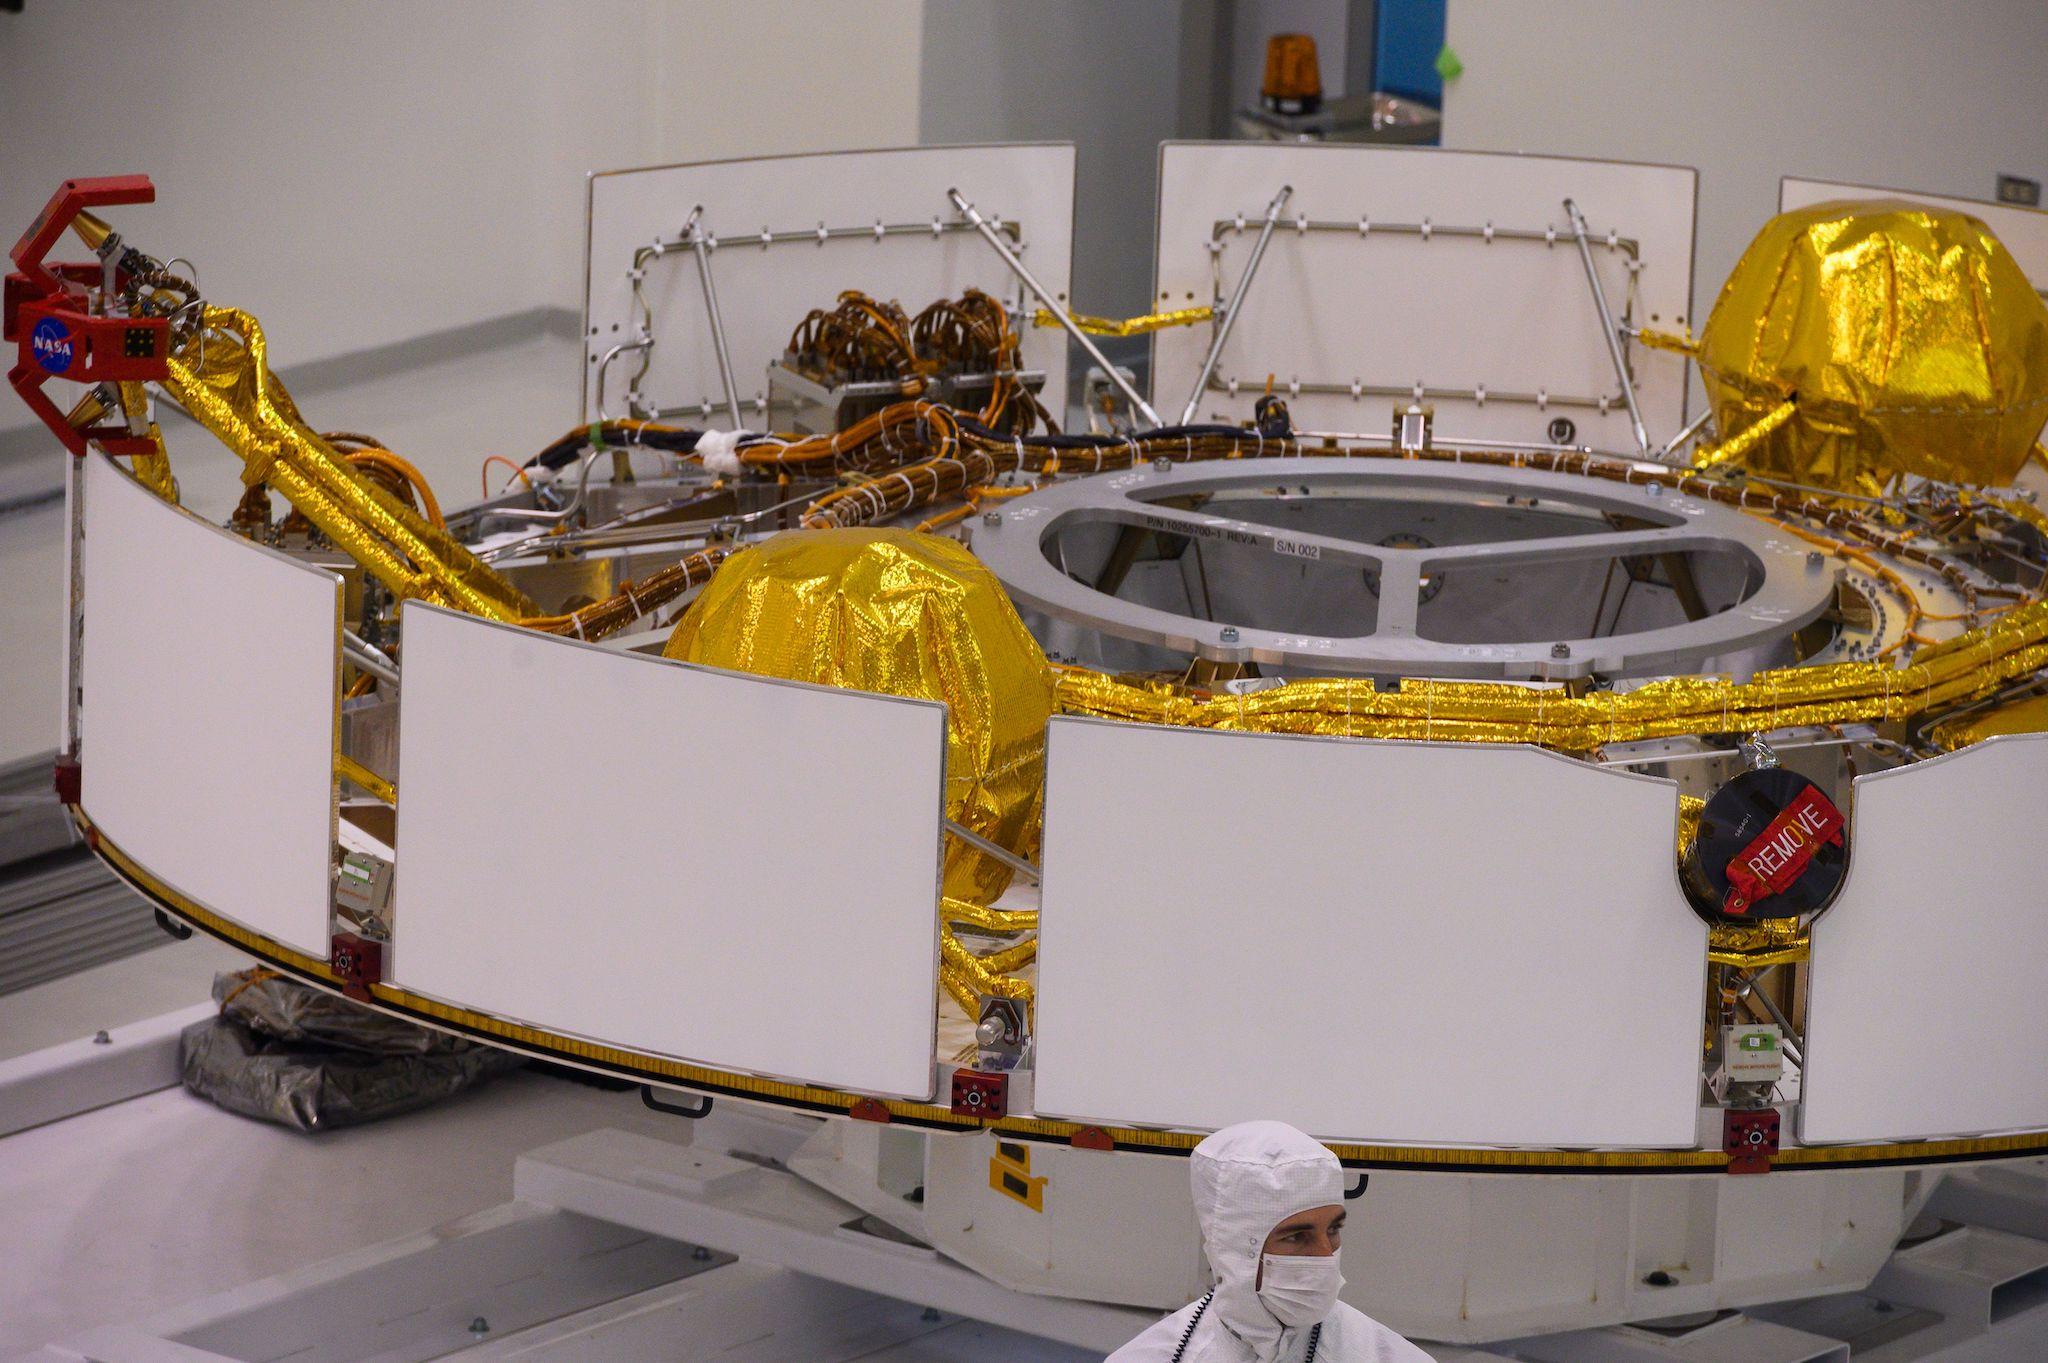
<point>1771,844</point>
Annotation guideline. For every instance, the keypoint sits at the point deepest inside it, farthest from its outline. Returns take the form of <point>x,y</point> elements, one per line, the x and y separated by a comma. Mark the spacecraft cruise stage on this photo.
<point>1609,828</point>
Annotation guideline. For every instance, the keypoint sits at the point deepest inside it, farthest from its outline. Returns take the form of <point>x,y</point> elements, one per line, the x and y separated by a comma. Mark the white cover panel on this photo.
<point>210,677</point>
<point>1928,1005</point>
<point>720,868</point>
<point>1450,312</point>
<point>1363,939</point>
<point>763,292</point>
<point>2023,230</point>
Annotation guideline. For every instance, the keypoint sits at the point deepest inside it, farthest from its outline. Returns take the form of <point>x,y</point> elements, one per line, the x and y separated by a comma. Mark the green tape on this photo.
<point>1447,64</point>
<point>597,435</point>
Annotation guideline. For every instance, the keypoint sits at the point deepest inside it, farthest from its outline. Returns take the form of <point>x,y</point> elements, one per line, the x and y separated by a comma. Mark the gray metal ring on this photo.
<point>1791,589</point>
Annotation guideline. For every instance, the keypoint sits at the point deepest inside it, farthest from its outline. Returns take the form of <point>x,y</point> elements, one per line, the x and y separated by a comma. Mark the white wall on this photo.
<point>1102,74</point>
<point>1933,97</point>
<point>361,174</point>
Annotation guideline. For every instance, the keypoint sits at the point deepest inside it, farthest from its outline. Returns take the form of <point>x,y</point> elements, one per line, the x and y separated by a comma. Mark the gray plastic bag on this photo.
<point>287,1053</point>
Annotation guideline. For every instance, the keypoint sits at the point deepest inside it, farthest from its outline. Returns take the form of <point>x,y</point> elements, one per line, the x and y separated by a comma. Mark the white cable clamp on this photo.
<point>720,451</point>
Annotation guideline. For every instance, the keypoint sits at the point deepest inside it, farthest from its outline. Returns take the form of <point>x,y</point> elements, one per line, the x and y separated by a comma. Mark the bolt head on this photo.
<point>1560,650</point>
<point>991,518</point>
<point>479,1326</point>
<point>1229,634</point>
<point>1814,558</point>
<point>100,1038</point>
<point>1162,464</point>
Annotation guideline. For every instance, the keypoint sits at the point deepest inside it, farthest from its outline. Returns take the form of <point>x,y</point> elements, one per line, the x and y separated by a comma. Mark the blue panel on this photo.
<point>1409,35</point>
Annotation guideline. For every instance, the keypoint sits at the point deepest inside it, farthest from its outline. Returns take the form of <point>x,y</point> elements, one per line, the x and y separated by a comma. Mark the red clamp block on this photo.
<point>69,780</point>
<point>978,1093</point>
<point>1750,1138</point>
<point>359,962</point>
<point>47,311</point>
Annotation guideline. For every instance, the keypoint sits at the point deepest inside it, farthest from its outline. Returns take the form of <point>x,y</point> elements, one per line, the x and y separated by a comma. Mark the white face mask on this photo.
<point>1299,1289</point>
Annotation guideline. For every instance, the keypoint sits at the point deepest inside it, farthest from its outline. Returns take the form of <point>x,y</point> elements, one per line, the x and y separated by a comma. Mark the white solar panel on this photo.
<point>1398,266</point>
<point>1399,942</point>
<point>210,677</point>
<point>720,868</point>
<point>1927,1007</point>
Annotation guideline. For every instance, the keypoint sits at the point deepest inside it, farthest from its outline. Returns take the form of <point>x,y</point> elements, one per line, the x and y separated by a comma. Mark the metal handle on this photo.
<point>674,1109</point>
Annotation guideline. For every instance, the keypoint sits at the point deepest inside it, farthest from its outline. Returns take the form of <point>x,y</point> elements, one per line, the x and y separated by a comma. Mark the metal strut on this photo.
<point>1251,267</point>
<point>1608,333</point>
<point>1052,305</point>
<point>703,250</point>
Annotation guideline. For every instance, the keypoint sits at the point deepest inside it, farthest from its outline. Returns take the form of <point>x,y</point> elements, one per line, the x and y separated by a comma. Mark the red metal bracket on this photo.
<point>868,1110</point>
<point>47,311</point>
<point>69,780</point>
<point>1750,1138</point>
<point>358,962</point>
<point>979,1093</point>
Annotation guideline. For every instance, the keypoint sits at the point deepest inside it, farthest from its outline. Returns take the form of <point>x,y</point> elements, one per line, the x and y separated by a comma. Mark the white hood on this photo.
<point>1247,1179</point>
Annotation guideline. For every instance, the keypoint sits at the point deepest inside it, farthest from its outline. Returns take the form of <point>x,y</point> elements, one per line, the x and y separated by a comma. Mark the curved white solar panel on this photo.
<point>721,868</point>
<point>1363,939</point>
<point>764,290</point>
<point>210,680</point>
<point>1351,288</point>
<point>1928,1005</point>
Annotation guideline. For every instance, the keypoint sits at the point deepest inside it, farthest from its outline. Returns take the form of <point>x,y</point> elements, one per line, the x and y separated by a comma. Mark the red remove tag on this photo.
<point>1779,855</point>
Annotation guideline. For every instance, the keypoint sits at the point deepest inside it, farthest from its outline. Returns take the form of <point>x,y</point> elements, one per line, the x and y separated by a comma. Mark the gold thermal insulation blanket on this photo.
<point>903,614</point>
<point>2029,716</point>
<point>223,379</point>
<point>1906,336</point>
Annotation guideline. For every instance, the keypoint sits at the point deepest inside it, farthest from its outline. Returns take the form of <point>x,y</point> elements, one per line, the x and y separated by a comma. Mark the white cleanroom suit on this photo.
<point>1247,1179</point>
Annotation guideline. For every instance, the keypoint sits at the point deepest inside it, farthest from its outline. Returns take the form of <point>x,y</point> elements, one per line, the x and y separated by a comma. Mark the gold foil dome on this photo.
<point>906,615</point>
<point>1906,336</point>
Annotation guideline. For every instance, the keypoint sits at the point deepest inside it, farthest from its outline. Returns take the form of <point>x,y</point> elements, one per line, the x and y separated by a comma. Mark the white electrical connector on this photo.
<point>720,451</point>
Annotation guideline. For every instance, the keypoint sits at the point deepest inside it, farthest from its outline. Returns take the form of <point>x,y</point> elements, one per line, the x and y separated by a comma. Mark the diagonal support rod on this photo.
<point>702,248</point>
<point>1608,333</point>
<point>1229,320</point>
<point>1052,305</point>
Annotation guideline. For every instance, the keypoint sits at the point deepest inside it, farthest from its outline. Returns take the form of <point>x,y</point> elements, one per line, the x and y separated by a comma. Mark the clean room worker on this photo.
<point>1271,1206</point>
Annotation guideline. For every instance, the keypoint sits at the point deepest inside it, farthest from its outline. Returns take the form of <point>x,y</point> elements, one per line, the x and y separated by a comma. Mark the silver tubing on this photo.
<point>369,657</point>
<point>1002,854</point>
<point>1607,331</point>
<point>1052,305</point>
<point>1793,1043</point>
<point>575,504</point>
<point>732,394</point>
<point>1692,428</point>
<point>1251,267</point>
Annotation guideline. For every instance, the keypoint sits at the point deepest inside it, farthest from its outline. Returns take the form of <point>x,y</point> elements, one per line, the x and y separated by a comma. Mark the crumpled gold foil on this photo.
<point>1127,326</point>
<point>222,377</point>
<point>906,615</point>
<point>1768,941</point>
<point>2029,716</point>
<point>152,470</point>
<point>1963,668</point>
<point>1907,336</point>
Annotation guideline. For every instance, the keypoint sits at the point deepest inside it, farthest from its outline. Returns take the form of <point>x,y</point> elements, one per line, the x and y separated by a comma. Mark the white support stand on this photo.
<point>772,1217</point>
<point>77,1076</point>
<point>621,1246</point>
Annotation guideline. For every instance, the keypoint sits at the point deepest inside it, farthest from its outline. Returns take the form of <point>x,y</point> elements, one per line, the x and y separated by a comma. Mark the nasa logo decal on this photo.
<point>51,345</point>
